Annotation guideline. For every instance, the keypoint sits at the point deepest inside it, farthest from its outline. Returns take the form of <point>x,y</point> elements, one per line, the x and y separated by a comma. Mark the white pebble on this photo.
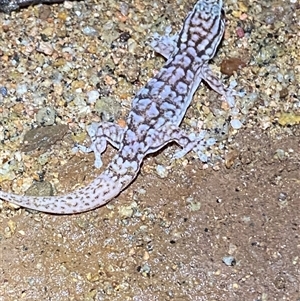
<point>161,171</point>
<point>68,4</point>
<point>236,124</point>
<point>93,96</point>
<point>45,48</point>
<point>229,260</point>
<point>21,89</point>
<point>89,31</point>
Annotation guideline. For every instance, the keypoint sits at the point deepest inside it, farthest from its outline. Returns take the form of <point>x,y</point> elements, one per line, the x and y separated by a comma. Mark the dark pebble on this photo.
<point>231,65</point>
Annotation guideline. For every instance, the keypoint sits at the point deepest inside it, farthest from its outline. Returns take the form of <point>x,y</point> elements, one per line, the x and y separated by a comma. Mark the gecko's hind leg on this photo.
<point>157,138</point>
<point>100,134</point>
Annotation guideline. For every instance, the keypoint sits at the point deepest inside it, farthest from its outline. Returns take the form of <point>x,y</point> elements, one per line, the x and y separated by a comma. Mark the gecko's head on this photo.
<point>211,7</point>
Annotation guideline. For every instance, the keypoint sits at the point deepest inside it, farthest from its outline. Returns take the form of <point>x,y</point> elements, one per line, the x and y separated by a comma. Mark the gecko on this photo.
<point>156,114</point>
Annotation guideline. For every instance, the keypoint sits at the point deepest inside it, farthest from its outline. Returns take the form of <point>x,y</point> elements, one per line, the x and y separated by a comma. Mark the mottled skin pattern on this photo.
<point>157,111</point>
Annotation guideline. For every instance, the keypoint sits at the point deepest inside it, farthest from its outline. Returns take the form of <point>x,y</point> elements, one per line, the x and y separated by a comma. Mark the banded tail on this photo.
<point>100,191</point>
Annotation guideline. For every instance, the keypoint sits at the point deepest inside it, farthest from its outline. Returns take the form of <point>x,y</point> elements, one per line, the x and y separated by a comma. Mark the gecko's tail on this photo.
<point>98,193</point>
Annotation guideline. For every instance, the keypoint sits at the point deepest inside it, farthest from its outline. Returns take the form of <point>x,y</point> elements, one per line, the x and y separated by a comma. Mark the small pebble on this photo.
<point>21,89</point>
<point>286,118</point>
<point>145,269</point>
<point>279,154</point>
<point>68,4</point>
<point>124,8</point>
<point>231,65</point>
<point>108,108</point>
<point>236,124</point>
<point>193,205</point>
<point>46,116</point>
<point>230,158</point>
<point>45,47</point>
<point>282,197</point>
<point>40,189</point>
<point>90,31</point>
<point>93,96</point>
<point>162,171</point>
<point>126,211</point>
<point>3,91</point>
<point>229,260</point>
<point>280,282</point>
<point>243,16</point>
<point>240,32</point>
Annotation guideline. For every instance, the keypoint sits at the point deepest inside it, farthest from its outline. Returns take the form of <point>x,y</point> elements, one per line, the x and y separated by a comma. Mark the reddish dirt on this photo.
<point>160,249</point>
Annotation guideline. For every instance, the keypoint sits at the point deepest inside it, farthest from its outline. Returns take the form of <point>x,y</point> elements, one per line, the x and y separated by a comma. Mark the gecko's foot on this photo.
<point>98,161</point>
<point>166,44</point>
<point>100,134</point>
<point>199,145</point>
<point>230,94</point>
